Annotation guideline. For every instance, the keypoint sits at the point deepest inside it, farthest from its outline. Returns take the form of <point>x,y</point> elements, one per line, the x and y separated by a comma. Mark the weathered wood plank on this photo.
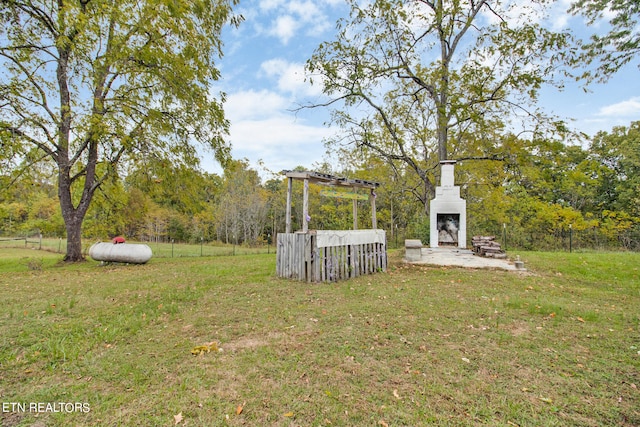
<point>300,257</point>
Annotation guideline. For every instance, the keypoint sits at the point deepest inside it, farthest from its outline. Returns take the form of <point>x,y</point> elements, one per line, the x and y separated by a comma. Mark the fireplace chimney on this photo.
<point>448,211</point>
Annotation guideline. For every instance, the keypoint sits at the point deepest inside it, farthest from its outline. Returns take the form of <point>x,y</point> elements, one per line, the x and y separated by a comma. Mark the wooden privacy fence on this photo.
<point>330,255</point>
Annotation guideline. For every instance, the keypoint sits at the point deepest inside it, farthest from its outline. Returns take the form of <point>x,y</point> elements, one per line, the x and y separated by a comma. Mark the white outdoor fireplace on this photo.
<point>448,217</point>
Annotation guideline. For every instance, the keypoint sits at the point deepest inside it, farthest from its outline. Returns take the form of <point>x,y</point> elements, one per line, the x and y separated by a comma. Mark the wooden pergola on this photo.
<point>330,181</point>
<point>330,255</point>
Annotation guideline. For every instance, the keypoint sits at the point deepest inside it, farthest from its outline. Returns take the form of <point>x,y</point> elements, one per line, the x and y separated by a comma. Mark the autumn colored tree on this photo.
<point>618,152</point>
<point>97,82</point>
<point>241,206</point>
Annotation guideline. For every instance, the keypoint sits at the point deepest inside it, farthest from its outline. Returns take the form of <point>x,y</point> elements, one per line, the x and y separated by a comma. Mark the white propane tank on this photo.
<point>132,253</point>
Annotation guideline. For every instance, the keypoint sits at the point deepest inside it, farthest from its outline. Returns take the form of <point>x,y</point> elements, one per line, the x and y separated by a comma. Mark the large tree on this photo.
<point>421,81</point>
<point>97,82</point>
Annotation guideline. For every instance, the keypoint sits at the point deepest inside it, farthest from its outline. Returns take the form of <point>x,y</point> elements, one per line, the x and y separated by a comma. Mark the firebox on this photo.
<point>448,228</point>
<point>448,212</point>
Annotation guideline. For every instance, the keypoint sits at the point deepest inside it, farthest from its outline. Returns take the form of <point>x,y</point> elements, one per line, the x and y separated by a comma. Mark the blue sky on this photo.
<point>263,76</point>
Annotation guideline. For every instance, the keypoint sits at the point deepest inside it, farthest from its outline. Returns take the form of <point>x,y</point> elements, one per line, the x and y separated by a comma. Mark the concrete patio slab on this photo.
<point>461,258</point>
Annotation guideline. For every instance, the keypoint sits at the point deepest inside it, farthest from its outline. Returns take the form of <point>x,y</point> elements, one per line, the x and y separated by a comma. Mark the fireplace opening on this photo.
<point>448,227</point>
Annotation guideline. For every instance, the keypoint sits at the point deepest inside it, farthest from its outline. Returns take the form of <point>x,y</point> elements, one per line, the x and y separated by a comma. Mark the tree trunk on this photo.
<point>74,239</point>
<point>73,216</point>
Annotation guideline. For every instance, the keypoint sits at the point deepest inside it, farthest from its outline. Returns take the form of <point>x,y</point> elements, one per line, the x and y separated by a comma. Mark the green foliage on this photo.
<point>619,46</point>
<point>419,228</point>
<point>44,216</point>
<point>619,154</point>
<point>12,216</point>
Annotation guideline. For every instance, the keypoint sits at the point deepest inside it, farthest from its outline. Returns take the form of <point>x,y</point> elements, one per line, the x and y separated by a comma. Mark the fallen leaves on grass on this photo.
<point>240,408</point>
<point>206,348</point>
<point>177,418</point>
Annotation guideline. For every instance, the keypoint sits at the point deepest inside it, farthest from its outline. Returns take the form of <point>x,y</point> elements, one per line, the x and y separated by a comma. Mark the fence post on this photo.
<point>570,238</point>
<point>396,234</point>
<point>504,234</point>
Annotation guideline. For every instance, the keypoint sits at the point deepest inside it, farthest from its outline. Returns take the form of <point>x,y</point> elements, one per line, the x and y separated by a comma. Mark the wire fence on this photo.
<point>160,250</point>
<point>33,241</point>
<point>569,240</point>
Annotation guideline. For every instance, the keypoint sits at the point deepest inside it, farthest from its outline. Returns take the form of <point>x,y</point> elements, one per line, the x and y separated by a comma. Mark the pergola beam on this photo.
<point>328,180</point>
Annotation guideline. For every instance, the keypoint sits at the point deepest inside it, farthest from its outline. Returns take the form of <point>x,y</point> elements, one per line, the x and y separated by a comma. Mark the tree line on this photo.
<point>537,187</point>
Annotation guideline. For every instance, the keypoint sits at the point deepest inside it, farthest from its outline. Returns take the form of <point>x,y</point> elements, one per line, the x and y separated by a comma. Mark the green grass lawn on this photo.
<point>418,345</point>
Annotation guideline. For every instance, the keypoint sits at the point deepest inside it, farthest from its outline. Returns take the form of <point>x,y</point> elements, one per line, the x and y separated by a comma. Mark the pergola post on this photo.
<point>355,214</point>
<point>288,214</point>
<point>374,219</point>
<point>305,206</point>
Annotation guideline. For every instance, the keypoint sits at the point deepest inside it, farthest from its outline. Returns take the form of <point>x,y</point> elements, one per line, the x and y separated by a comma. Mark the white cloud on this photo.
<point>554,15</point>
<point>516,13</point>
<point>279,133</point>
<point>252,104</point>
<point>307,11</point>
<point>331,3</point>
<point>559,15</point>
<point>279,141</point>
<point>267,5</point>
<point>263,128</point>
<point>284,28</point>
<point>628,108</point>
<point>273,67</point>
<point>311,16</point>
<point>286,18</point>
<point>290,77</point>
